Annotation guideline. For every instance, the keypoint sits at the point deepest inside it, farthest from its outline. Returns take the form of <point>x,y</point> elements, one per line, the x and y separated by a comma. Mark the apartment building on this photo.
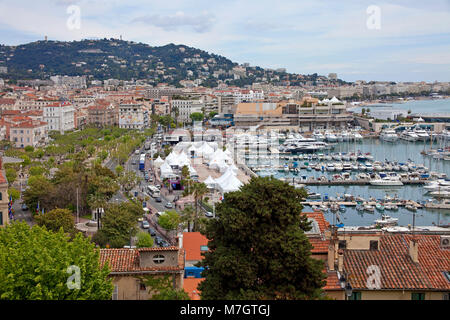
<point>133,115</point>
<point>102,114</point>
<point>29,133</point>
<point>128,266</point>
<point>186,107</point>
<point>59,117</point>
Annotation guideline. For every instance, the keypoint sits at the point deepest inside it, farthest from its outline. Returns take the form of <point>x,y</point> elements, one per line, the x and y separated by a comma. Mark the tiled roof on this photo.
<point>332,281</point>
<point>2,178</point>
<point>397,269</point>
<point>191,243</point>
<point>320,218</point>
<point>190,285</point>
<point>319,242</point>
<point>127,260</point>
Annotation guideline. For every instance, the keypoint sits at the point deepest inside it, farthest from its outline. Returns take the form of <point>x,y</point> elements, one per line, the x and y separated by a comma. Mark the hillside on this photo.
<point>123,60</point>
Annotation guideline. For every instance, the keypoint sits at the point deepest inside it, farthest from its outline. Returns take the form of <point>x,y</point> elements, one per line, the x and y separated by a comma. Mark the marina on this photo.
<point>371,169</point>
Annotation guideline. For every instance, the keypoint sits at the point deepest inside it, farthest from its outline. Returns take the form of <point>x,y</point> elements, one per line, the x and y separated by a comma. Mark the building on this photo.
<point>59,117</point>
<point>392,265</point>
<point>102,114</point>
<point>29,133</point>
<point>186,107</point>
<point>133,115</point>
<point>4,212</point>
<point>194,243</point>
<point>127,266</point>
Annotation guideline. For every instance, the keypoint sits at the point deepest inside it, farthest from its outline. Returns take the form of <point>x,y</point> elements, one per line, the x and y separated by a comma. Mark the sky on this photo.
<point>402,40</point>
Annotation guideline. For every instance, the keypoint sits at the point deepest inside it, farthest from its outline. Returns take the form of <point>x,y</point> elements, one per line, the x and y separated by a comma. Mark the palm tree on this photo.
<point>188,216</point>
<point>198,190</point>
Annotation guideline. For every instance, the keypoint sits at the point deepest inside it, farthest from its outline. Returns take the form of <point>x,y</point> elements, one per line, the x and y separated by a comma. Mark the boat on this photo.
<point>342,208</point>
<point>411,207</point>
<point>440,194</point>
<point>386,221</point>
<point>388,135</point>
<point>421,134</point>
<point>359,207</point>
<point>408,135</point>
<point>314,195</point>
<point>387,181</point>
<point>369,208</point>
<point>330,137</point>
<point>379,207</point>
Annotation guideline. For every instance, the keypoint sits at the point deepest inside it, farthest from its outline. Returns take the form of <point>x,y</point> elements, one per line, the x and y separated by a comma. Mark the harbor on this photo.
<point>371,170</point>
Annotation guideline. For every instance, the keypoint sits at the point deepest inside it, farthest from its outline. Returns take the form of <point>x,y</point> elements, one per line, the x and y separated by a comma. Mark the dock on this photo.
<point>356,182</point>
<point>354,203</point>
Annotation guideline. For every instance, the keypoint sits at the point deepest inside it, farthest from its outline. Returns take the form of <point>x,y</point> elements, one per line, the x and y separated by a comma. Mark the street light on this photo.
<point>348,290</point>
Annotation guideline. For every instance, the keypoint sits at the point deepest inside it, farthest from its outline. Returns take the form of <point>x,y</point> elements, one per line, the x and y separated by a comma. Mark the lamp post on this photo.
<point>345,285</point>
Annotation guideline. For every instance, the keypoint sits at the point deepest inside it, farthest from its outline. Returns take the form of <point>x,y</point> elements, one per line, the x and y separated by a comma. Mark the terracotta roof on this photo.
<point>191,243</point>
<point>127,260</point>
<point>190,285</point>
<point>398,271</point>
<point>319,242</point>
<point>332,281</point>
<point>320,218</point>
<point>2,178</point>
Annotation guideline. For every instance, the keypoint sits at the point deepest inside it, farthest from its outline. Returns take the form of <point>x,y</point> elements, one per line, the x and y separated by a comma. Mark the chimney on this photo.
<point>180,240</point>
<point>414,250</point>
<point>331,256</point>
<point>340,260</point>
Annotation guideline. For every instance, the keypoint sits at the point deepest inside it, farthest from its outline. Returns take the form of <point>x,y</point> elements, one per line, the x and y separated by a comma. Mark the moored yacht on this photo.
<point>389,135</point>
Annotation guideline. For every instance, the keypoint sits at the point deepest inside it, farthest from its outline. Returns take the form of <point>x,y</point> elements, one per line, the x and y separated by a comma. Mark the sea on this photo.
<point>400,151</point>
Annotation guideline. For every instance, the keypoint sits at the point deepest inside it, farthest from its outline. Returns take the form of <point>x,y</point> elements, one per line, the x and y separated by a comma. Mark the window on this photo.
<point>203,248</point>
<point>115,295</point>
<point>373,244</point>
<point>355,296</point>
<point>418,296</point>
<point>342,244</point>
<point>158,259</point>
<point>1,218</point>
<point>446,296</point>
<point>142,286</point>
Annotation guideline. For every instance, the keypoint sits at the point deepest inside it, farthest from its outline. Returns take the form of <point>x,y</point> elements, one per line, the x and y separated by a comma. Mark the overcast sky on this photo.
<point>412,42</point>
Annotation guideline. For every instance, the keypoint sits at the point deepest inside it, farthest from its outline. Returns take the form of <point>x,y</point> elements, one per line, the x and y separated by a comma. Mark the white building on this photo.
<point>133,115</point>
<point>186,108</point>
<point>59,117</point>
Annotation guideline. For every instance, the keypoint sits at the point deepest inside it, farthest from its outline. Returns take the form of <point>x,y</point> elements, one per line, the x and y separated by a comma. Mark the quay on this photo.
<point>400,203</point>
<point>360,182</point>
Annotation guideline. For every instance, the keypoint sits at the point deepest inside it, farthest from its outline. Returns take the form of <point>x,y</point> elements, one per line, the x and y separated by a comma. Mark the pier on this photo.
<point>356,182</point>
<point>354,203</point>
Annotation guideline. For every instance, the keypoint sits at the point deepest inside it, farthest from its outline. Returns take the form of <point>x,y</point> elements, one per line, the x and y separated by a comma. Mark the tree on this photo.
<point>14,193</point>
<point>56,219</point>
<point>29,149</point>
<point>198,190</point>
<point>188,216</point>
<point>161,288</point>
<point>118,225</point>
<point>258,247</point>
<point>35,265</point>
<point>11,175</point>
<point>119,170</point>
<point>196,116</point>
<point>170,220</point>
<point>144,240</point>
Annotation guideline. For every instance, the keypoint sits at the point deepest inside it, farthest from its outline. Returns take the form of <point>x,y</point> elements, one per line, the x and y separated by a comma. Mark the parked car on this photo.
<point>145,224</point>
<point>169,205</point>
<point>141,219</point>
<point>158,240</point>
<point>137,151</point>
<point>24,207</point>
<point>209,214</point>
<point>152,232</point>
<point>164,243</point>
<point>158,214</point>
<point>158,199</point>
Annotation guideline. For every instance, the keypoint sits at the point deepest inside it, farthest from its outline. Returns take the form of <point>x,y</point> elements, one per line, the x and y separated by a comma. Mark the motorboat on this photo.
<point>388,135</point>
<point>387,181</point>
<point>318,136</point>
<point>379,207</point>
<point>408,135</point>
<point>369,208</point>
<point>330,137</point>
<point>421,134</point>
<point>386,221</point>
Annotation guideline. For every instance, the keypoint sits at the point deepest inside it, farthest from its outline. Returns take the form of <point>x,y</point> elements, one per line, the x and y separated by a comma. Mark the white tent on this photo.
<point>234,168</point>
<point>192,171</point>
<point>210,182</point>
<point>172,159</point>
<point>158,162</point>
<point>166,171</point>
<point>231,184</point>
<point>205,150</point>
<point>218,164</point>
<point>227,175</point>
<point>183,160</point>
<point>335,100</point>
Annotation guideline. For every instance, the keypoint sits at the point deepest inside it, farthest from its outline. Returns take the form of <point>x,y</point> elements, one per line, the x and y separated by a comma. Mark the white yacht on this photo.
<point>330,137</point>
<point>389,135</point>
<point>386,221</point>
<point>318,136</point>
<point>357,136</point>
<point>387,181</point>
<point>409,136</point>
<point>422,134</point>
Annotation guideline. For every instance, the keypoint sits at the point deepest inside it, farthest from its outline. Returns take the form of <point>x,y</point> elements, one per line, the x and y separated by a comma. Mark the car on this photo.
<point>141,219</point>
<point>150,179</point>
<point>24,207</point>
<point>176,198</point>
<point>158,186</point>
<point>152,232</point>
<point>169,205</point>
<point>145,224</point>
<point>158,240</point>
<point>158,199</point>
<point>133,162</point>
<point>209,214</point>
<point>160,213</point>
<point>164,243</point>
<point>137,151</point>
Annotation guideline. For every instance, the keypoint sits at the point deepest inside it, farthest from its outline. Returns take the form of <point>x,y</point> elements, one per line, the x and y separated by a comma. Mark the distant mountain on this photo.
<point>124,60</point>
